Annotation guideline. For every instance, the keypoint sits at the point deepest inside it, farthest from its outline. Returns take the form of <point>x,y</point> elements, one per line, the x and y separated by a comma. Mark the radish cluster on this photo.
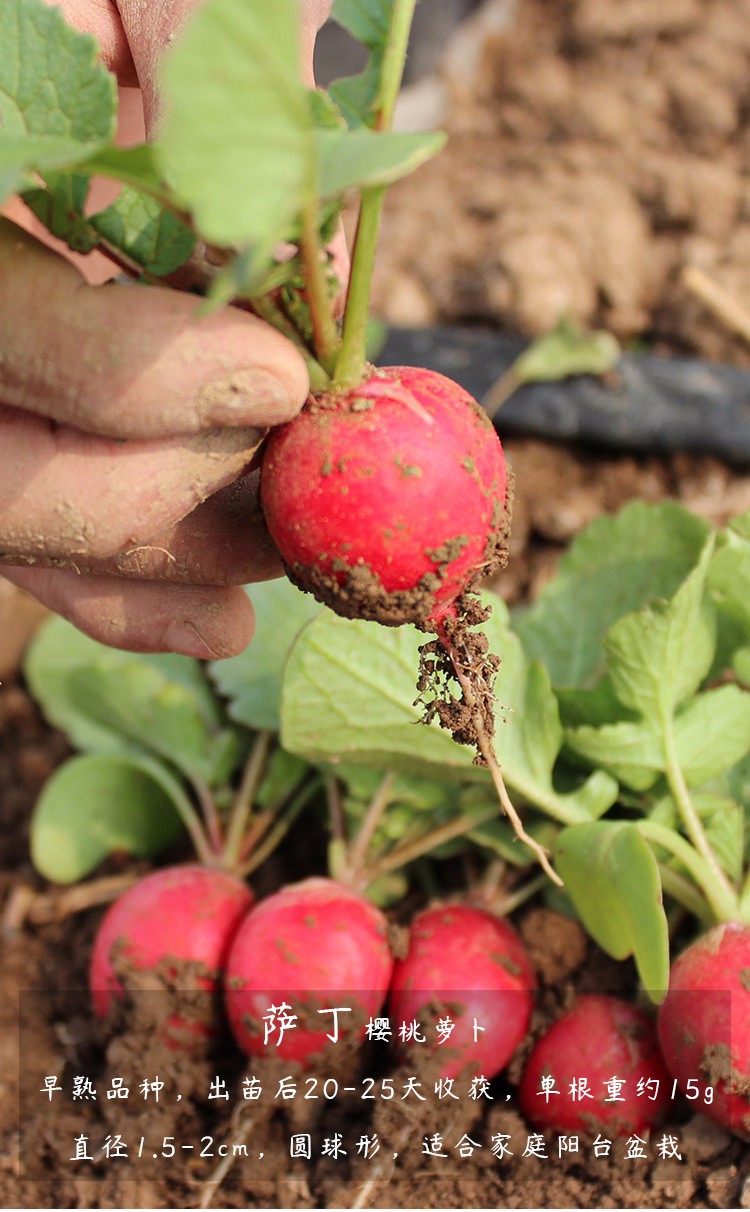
<point>308,947</point>
<point>462,987</point>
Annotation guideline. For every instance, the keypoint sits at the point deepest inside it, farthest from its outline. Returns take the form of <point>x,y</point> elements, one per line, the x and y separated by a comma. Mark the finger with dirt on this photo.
<point>145,616</point>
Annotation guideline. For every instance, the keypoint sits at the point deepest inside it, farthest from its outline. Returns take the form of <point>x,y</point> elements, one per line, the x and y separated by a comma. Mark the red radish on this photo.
<point>170,930</point>
<point>387,500</point>
<point>704,1025</point>
<point>465,964</point>
<point>604,1046</point>
<point>313,946</point>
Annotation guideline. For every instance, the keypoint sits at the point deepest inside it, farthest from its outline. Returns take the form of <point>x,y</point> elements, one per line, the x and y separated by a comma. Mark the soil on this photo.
<point>558,491</point>
<point>597,148</point>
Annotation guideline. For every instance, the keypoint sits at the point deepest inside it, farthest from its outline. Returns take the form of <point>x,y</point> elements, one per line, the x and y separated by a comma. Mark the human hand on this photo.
<point>127,422</point>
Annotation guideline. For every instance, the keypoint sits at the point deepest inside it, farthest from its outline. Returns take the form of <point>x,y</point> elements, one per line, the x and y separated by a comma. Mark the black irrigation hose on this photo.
<point>648,403</point>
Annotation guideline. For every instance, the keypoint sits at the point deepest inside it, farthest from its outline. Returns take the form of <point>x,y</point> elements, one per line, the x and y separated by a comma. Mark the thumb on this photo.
<point>150,28</point>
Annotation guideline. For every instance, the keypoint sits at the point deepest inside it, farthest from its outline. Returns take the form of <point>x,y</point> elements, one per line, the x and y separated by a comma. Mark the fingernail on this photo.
<point>184,638</point>
<point>246,397</point>
<point>221,440</point>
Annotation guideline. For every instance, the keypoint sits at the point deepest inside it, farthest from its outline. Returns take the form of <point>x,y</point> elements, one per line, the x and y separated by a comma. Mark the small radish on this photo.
<point>389,499</point>
<point>704,1025</point>
<point>312,946</point>
<point>468,966</point>
<point>583,1075</point>
<point>171,930</point>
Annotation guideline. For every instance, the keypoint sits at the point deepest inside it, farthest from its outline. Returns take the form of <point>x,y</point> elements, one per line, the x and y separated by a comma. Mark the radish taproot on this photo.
<point>389,499</point>
<point>597,1069</point>
<point>703,1025</point>
<point>312,947</point>
<point>469,967</point>
<point>171,932</point>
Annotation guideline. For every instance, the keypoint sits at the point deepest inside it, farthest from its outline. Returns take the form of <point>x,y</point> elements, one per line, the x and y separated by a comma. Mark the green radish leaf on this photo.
<point>631,752</point>
<point>500,839</point>
<point>57,650</point>
<point>146,704</point>
<point>252,680</point>
<point>363,158</point>
<point>134,223</point>
<point>106,700</point>
<point>725,829</point>
<point>52,89</point>
<point>145,232</point>
<point>729,577</point>
<point>567,350</point>
<point>664,812</point>
<point>659,656</point>
<point>741,664</point>
<point>135,166</point>
<point>368,21</point>
<point>529,734</point>
<point>27,154</point>
<point>724,823</point>
<point>61,207</point>
<point>63,218</point>
<point>348,695</point>
<point>712,733</point>
<point>739,781</point>
<point>731,638</point>
<point>618,564</point>
<point>325,113</point>
<point>237,143</point>
<point>98,804</point>
<point>601,864</point>
<point>596,706</point>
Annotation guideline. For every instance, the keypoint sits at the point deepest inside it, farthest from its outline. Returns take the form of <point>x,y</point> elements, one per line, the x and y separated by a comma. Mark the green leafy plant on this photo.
<point>247,159</point>
<point>623,729</point>
<point>566,350</point>
<point>286,159</point>
<point>166,751</point>
<point>637,780</point>
<point>652,694</point>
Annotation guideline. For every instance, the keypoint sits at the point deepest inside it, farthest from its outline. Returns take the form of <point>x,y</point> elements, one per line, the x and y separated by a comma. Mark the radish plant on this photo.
<point>390,447</point>
<point>662,704</point>
<point>624,720</point>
